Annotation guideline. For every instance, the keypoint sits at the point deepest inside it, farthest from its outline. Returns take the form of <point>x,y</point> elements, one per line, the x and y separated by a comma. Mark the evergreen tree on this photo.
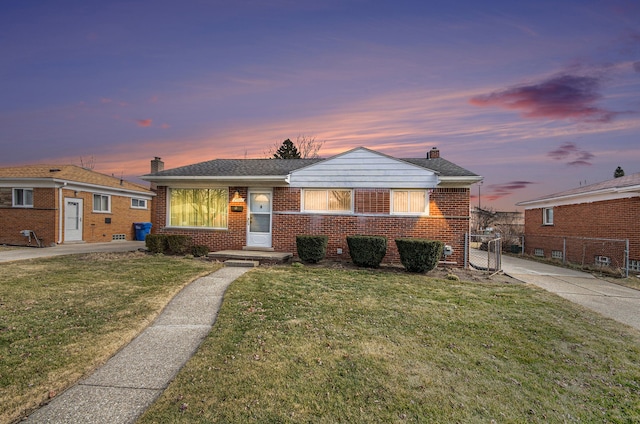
<point>619,172</point>
<point>288,150</point>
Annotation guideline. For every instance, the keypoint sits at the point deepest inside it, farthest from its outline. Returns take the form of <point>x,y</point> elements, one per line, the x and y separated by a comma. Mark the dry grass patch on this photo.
<point>62,317</point>
<point>324,346</point>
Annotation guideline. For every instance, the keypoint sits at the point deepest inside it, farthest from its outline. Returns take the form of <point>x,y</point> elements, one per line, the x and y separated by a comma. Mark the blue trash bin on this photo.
<point>142,229</point>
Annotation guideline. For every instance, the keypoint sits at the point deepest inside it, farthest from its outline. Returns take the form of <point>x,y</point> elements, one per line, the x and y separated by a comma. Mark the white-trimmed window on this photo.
<point>314,200</point>
<point>23,197</point>
<point>198,207</point>
<point>139,203</point>
<point>409,202</point>
<point>547,216</point>
<point>101,203</point>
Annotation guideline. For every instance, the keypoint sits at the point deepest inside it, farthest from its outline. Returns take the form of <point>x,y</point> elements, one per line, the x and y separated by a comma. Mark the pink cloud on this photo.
<point>165,126</point>
<point>144,122</point>
<point>560,97</point>
<point>498,191</point>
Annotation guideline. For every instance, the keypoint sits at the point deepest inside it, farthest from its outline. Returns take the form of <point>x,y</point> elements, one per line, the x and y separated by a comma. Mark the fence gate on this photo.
<point>484,252</point>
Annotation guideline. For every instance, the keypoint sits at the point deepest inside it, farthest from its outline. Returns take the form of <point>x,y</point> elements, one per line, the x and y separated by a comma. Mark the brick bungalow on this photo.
<point>67,203</point>
<point>609,210</point>
<point>231,204</point>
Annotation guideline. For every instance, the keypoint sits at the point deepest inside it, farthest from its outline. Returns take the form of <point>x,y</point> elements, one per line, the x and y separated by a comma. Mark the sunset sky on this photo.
<point>535,96</point>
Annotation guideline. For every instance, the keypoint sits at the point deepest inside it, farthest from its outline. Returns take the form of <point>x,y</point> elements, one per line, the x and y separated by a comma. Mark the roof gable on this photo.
<point>363,168</point>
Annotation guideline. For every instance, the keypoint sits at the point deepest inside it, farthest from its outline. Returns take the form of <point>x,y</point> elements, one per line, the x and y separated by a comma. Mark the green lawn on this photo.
<point>326,346</point>
<point>62,317</point>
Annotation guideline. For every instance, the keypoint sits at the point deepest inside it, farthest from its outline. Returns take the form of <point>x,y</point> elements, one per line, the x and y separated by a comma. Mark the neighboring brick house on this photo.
<point>563,225</point>
<point>229,204</point>
<point>67,203</point>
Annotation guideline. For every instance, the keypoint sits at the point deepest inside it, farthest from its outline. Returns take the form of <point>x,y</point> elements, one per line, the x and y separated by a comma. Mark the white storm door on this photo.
<point>72,219</point>
<point>259,218</point>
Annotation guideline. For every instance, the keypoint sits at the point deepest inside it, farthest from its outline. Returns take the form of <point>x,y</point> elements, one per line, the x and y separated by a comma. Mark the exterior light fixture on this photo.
<point>236,198</point>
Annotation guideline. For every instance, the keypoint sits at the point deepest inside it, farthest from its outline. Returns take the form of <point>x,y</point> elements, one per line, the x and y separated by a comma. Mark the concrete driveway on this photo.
<point>22,253</point>
<point>611,300</point>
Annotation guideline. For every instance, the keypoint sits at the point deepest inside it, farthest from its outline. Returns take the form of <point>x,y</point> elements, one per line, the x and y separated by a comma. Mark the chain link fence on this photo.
<point>484,252</point>
<point>606,255</point>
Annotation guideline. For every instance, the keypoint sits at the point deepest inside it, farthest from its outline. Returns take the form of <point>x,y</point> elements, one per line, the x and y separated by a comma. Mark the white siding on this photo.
<point>363,168</point>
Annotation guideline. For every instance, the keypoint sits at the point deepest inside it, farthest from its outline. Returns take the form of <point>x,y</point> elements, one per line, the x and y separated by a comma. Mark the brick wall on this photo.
<point>448,221</point>
<point>611,219</point>
<point>41,218</point>
<point>122,216</point>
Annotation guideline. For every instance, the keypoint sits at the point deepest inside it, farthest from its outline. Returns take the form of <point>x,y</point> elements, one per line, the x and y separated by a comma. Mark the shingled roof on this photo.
<point>283,167</point>
<point>68,173</point>
<point>628,183</point>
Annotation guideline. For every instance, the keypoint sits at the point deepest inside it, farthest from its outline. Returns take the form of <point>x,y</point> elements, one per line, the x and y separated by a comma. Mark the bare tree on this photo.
<point>308,146</point>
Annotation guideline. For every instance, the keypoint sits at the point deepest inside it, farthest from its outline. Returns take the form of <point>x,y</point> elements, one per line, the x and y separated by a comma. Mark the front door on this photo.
<point>259,218</point>
<point>72,219</point>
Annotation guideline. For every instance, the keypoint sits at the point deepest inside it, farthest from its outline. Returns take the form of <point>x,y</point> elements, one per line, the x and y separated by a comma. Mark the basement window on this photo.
<point>557,254</point>
<point>23,197</point>
<point>538,252</point>
<point>634,265</point>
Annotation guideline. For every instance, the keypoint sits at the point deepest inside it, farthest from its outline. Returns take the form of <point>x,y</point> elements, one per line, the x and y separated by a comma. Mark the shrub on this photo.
<point>155,243</point>
<point>311,249</point>
<point>177,244</point>
<point>367,251</point>
<point>199,250</point>
<point>419,255</point>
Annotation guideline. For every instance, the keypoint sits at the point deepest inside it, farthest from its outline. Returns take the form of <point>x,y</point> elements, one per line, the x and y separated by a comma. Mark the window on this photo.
<point>547,216</point>
<point>23,197</point>
<point>538,252</point>
<point>139,203</point>
<point>557,254</point>
<point>327,201</point>
<point>602,261</point>
<point>198,207</point>
<point>409,202</point>
<point>634,265</point>
<point>101,203</point>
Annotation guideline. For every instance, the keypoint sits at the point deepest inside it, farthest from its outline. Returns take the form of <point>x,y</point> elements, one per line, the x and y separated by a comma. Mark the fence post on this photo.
<point>564,250</point>
<point>467,246</point>
<point>626,259</point>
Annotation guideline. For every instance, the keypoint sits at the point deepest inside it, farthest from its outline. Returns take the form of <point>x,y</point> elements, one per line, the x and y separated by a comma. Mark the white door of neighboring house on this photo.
<point>259,218</point>
<point>72,219</point>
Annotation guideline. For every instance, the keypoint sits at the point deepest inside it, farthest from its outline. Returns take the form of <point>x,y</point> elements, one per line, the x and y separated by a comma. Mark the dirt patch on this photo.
<point>440,272</point>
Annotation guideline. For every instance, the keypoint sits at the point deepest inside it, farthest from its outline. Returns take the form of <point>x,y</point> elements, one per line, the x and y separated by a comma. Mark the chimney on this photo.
<point>434,153</point>
<point>157,165</point>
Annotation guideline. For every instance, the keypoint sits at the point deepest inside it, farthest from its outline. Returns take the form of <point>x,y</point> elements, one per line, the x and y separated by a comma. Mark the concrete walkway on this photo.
<point>611,300</point>
<point>122,389</point>
<point>22,253</point>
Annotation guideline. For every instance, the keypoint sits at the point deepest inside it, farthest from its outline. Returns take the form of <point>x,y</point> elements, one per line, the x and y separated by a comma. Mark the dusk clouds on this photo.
<point>572,153</point>
<point>498,191</point>
<point>560,97</point>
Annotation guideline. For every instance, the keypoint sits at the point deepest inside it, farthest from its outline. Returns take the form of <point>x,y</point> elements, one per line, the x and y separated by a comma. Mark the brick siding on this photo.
<point>611,219</point>
<point>43,218</point>
<point>448,221</point>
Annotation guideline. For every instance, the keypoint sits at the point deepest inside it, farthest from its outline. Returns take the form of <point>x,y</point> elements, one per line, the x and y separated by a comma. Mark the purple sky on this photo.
<point>535,96</point>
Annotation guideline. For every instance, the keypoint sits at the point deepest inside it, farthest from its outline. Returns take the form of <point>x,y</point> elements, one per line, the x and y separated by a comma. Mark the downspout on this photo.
<point>60,211</point>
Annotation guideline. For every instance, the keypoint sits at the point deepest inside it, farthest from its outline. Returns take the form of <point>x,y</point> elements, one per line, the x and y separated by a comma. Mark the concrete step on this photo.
<point>241,263</point>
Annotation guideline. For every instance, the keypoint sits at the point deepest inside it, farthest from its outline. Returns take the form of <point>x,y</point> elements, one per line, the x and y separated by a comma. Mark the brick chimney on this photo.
<point>433,153</point>
<point>157,165</point>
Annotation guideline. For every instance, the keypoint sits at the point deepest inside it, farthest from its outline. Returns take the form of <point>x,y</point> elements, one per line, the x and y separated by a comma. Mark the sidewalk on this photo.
<point>22,253</point>
<point>611,300</point>
<point>122,389</point>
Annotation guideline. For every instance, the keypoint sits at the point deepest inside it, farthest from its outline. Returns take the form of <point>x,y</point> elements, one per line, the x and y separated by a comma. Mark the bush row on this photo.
<point>174,244</point>
<point>416,254</point>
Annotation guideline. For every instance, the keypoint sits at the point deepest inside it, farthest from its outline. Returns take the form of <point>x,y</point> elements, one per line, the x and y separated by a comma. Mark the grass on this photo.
<point>327,346</point>
<point>62,317</point>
